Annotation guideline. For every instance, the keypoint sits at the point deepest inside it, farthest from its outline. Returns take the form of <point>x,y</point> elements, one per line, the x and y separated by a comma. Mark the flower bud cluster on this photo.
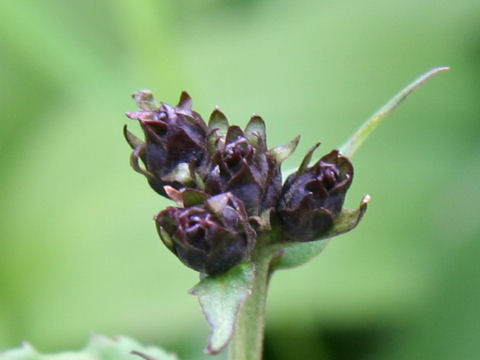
<point>228,184</point>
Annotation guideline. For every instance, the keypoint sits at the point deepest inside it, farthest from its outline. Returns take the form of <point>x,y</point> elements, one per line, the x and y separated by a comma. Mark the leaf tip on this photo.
<point>210,350</point>
<point>441,68</point>
<point>365,200</point>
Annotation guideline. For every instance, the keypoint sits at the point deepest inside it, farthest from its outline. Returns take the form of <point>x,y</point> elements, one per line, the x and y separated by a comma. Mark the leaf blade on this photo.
<point>352,144</point>
<point>221,298</point>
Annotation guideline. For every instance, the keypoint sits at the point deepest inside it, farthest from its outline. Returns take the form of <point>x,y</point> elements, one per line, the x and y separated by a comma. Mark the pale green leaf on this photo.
<point>98,348</point>
<point>221,297</point>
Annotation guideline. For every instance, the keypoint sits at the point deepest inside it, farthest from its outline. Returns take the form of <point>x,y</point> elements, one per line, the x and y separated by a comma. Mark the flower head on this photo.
<point>312,198</point>
<point>175,141</point>
<point>210,238</point>
<point>228,184</point>
<point>241,164</point>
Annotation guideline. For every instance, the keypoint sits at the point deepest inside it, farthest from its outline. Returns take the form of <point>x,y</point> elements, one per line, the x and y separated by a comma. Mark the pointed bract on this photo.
<point>132,140</point>
<point>218,121</point>
<point>185,101</point>
<point>283,152</point>
<point>306,159</point>
<point>256,133</point>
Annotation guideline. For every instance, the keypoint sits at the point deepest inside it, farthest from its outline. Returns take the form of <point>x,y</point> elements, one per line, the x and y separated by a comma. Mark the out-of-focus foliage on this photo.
<point>78,248</point>
<point>98,348</point>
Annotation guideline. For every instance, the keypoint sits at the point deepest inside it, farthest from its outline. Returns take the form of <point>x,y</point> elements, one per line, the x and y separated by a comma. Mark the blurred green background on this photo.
<point>78,248</point>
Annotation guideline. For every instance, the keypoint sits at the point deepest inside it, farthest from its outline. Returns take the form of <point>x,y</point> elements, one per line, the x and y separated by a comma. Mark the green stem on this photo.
<point>247,343</point>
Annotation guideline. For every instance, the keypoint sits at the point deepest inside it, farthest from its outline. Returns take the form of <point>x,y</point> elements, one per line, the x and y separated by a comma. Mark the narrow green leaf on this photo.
<point>220,298</point>
<point>281,153</point>
<point>98,348</point>
<point>352,145</point>
<point>296,254</point>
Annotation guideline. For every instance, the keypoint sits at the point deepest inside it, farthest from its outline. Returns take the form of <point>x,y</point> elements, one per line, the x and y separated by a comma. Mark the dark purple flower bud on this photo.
<point>175,141</point>
<point>210,238</point>
<point>312,198</point>
<point>241,164</point>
